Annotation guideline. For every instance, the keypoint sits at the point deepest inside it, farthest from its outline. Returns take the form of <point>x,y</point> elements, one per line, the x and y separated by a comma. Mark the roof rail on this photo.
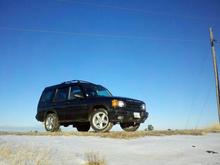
<point>75,81</point>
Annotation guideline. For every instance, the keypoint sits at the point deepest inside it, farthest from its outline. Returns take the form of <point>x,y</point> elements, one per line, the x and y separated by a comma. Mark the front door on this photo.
<point>77,107</point>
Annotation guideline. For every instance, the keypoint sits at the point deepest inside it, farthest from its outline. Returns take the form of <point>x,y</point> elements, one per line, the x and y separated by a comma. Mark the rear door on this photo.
<point>60,102</point>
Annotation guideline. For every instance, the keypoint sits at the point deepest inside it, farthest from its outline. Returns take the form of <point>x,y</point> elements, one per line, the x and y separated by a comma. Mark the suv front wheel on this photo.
<point>51,122</point>
<point>99,121</point>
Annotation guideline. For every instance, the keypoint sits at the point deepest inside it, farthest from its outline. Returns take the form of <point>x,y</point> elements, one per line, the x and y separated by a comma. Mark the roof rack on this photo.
<point>75,81</point>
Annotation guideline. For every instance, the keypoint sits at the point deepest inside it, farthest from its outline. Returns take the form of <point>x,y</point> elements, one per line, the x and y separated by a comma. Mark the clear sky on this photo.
<point>157,51</point>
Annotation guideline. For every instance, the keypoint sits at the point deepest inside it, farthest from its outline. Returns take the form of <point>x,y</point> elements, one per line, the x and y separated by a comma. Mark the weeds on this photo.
<point>215,128</point>
<point>21,155</point>
<point>112,134</point>
<point>122,134</point>
<point>94,159</point>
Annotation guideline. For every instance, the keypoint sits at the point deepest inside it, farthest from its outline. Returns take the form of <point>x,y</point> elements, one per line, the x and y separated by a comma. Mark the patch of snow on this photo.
<point>171,150</point>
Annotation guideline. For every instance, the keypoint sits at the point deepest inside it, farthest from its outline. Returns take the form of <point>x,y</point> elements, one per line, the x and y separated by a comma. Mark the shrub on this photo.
<point>150,127</point>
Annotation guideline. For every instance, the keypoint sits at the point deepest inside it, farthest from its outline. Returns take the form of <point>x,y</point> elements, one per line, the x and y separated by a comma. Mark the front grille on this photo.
<point>133,106</point>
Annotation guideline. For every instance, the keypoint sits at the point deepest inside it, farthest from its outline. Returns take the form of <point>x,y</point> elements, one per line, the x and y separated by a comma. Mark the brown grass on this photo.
<point>113,134</point>
<point>122,134</point>
<point>94,159</point>
<point>214,128</point>
<point>20,155</point>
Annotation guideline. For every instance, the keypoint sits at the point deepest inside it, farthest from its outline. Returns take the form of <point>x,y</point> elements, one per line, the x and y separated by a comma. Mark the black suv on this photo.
<point>84,104</point>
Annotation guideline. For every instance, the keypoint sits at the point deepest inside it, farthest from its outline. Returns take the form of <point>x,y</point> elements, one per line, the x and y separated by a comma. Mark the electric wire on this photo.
<point>97,34</point>
<point>200,73</point>
<point>126,37</point>
<point>205,103</point>
<point>136,10</point>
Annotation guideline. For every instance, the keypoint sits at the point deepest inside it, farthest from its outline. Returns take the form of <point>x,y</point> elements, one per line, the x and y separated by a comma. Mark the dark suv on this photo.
<point>84,104</point>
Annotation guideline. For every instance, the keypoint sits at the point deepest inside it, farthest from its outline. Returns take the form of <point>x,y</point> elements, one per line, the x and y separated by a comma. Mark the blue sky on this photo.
<point>156,51</point>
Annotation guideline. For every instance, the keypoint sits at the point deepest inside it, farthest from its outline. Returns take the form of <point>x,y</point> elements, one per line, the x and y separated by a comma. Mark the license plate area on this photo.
<point>137,115</point>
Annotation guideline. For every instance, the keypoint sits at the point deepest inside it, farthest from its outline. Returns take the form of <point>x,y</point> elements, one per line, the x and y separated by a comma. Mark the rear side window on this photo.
<point>47,95</point>
<point>62,94</point>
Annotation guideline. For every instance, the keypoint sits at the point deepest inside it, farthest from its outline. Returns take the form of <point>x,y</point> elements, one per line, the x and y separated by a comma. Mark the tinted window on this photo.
<point>62,94</point>
<point>75,90</point>
<point>47,95</point>
<point>96,90</point>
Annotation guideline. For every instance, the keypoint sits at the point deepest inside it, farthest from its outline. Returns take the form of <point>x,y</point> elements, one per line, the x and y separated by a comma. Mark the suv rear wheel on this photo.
<point>84,127</point>
<point>130,127</point>
<point>99,121</point>
<point>51,122</point>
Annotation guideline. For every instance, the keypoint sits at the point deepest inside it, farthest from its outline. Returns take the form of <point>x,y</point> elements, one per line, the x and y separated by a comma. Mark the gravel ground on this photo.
<point>150,150</point>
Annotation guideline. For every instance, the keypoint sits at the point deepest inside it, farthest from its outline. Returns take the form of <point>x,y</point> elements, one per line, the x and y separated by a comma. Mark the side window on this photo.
<point>62,94</point>
<point>75,90</point>
<point>47,95</point>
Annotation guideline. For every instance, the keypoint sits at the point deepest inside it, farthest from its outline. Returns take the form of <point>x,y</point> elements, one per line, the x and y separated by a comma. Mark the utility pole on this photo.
<point>212,41</point>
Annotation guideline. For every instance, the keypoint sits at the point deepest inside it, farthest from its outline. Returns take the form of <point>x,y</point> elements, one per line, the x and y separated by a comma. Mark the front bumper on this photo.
<point>125,116</point>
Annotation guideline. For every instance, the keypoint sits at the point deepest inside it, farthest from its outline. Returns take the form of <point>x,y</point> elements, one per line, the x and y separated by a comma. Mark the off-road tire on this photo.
<point>99,121</point>
<point>51,122</point>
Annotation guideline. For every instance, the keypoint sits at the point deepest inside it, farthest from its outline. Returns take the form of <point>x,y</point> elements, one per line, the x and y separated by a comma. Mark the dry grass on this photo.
<point>215,128</point>
<point>21,155</point>
<point>94,159</point>
<point>122,134</point>
<point>113,134</point>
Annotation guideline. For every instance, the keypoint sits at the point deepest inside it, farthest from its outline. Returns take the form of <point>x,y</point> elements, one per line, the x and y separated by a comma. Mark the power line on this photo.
<point>137,10</point>
<point>212,40</point>
<point>203,107</point>
<point>201,72</point>
<point>97,34</point>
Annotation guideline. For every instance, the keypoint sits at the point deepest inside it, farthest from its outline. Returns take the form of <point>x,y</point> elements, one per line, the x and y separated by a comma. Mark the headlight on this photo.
<point>117,103</point>
<point>143,106</point>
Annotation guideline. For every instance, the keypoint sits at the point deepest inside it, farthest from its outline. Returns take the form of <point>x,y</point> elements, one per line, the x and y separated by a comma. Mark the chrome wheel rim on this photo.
<point>100,120</point>
<point>50,122</point>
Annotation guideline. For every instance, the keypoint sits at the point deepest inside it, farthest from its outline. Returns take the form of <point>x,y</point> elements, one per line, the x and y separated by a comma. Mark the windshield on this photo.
<point>96,90</point>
